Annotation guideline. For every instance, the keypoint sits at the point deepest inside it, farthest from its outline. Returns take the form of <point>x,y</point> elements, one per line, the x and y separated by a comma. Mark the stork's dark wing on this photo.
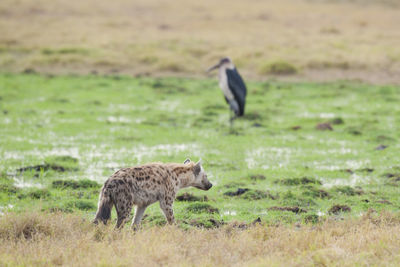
<point>238,88</point>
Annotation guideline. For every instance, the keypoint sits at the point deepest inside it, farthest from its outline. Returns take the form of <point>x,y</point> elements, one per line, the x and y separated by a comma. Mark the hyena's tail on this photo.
<point>104,207</point>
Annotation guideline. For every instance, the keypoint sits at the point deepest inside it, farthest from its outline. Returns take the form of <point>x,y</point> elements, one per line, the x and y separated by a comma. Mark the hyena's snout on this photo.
<point>208,186</point>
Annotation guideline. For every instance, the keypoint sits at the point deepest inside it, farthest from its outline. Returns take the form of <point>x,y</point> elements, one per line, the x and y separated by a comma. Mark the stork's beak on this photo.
<point>213,67</point>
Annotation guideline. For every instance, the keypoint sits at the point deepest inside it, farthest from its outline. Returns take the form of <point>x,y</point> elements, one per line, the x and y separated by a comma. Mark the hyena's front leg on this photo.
<point>166,206</point>
<point>139,211</point>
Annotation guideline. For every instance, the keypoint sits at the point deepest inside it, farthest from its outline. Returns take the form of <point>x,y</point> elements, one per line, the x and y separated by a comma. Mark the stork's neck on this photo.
<point>223,68</point>
<point>228,65</point>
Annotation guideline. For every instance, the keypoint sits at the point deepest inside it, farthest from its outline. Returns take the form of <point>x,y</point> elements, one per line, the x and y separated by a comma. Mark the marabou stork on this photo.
<point>232,85</point>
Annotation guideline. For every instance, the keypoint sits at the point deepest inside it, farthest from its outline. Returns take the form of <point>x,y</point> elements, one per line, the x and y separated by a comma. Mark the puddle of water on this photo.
<point>230,212</point>
<point>277,157</point>
<point>349,164</point>
<point>352,181</point>
<point>168,105</point>
<point>99,158</point>
<point>114,119</point>
<point>317,115</point>
<point>7,120</point>
<point>357,164</point>
<point>20,183</point>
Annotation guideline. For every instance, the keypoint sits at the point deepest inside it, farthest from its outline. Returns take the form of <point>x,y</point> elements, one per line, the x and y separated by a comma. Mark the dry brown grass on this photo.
<point>320,39</point>
<point>57,239</point>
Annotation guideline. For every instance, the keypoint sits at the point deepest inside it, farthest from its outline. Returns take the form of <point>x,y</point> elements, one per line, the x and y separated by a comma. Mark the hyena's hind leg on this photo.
<point>166,206</point>
<point>124,209</point>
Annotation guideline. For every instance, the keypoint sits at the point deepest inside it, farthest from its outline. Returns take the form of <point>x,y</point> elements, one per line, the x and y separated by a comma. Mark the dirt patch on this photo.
<point>9,189</point>
<point>291,209</point>
<point>393,176</point>
<point>296,127</point>
<point>298,181</point>
<point>348,171</point>
<point>257,125</point>
<point>325,126</point>
<point>252,116</point>
<point>58,164</point>
<point>244,225</point>
<point>40,167</point>
<point>84,183</point>
<point>353,131</point>
<point>348,190</point>
<point>337,121</point>
<point>336,209</point>
<point>384,138</point>
<point>315,192</point>
<point>36,194</point>
<point>311,218</point>
<point>384,201</point>
<point>257,177</point>
<point>238,192</point>
<point>366,170</point>
<point>231,185</point>
<point>199,207</point>
<point>208,223</point>
<point>190,197</point>
<point>258,194</point>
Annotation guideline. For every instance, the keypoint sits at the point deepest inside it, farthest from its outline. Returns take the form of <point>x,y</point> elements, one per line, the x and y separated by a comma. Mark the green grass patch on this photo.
<point>62,136</point>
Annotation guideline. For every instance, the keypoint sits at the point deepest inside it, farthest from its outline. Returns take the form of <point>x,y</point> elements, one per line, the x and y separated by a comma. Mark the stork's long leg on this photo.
<point>232,118</point>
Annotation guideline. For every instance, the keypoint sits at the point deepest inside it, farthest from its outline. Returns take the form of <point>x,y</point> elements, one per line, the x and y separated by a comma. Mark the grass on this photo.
<point>63,136</point>
<point>318,40</point>
<point>42,239</point>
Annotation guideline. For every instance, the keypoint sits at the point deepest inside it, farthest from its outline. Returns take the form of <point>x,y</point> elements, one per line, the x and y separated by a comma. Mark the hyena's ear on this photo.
<point>197,168</point>
<point>186,161</point>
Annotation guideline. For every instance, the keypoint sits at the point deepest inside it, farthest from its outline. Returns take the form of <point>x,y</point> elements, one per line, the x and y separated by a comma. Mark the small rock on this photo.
<point>380,147</point>
<point>326,126</point>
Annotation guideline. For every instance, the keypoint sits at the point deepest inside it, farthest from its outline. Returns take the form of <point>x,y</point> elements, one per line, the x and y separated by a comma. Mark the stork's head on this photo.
<point>225,61</point>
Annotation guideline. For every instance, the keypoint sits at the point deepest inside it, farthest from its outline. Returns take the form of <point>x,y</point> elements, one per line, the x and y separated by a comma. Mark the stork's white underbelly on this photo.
<point>223,84</point>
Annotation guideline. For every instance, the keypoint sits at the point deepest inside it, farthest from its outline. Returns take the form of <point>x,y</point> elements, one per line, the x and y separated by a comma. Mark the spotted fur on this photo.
<point>144,185</point>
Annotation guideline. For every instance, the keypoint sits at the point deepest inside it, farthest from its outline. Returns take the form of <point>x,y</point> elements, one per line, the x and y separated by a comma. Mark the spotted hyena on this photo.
<point>143,185</point>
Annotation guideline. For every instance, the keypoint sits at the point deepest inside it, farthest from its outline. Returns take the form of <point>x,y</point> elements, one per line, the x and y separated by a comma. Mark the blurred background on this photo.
<point>290,39</point>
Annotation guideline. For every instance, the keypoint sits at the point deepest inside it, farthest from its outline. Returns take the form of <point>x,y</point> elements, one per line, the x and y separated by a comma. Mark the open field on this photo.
<point>61,137</point>
<point>310,176</point>
<point>307,40</point>
<point>288,189</point>
<point>49,240</point>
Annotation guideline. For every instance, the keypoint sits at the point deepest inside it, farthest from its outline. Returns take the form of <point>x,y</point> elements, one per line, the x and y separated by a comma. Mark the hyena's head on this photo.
<point>200,177</point>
